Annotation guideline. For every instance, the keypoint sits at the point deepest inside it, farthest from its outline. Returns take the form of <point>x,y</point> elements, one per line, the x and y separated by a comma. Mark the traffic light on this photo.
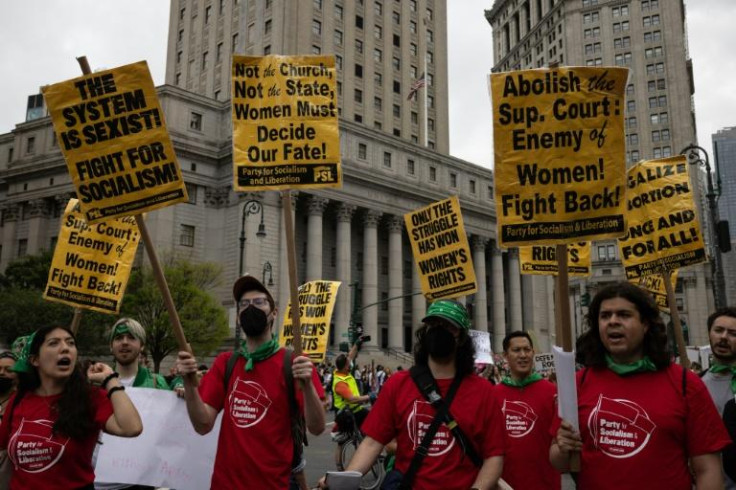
<point>724,237</point>
<point>585,299</point>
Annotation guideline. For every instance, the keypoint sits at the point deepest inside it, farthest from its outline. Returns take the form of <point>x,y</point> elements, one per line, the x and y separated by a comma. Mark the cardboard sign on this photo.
<point>91,263</point>
<point>112,133</point>
<point>544,362</point>
<point>441,250</point>
<point>285,130</point>
<point>654,283</point>
<point>663,230</point>
<point>482,344</point>
<point>316,302</point>
<point>559,154</point>
<point>542,260</point>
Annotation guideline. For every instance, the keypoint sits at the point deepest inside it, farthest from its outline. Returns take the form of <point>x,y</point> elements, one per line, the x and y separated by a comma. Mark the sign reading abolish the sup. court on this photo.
<point>543,260</point>
<point>285,130</point>
<point>654,283</point>
<point>316,302</point>
<point>91,263</point>
<point>663,230</point>
<point>441,250</point>
<point>111,131</point>
<point>559,154</point>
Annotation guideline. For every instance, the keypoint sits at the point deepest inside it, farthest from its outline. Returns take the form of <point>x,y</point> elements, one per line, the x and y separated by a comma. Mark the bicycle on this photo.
<point>349,438</point>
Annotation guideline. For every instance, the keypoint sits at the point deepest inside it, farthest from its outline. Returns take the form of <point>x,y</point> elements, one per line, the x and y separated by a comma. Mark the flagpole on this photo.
<point>426,99</point>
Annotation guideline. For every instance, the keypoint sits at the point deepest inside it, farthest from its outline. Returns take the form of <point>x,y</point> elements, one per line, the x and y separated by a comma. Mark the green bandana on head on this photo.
<point>532,378</point>
<point>263,352</point>
<point>123,329</point>
<point>22,349</point>
<point>640,366</point>
<point>717,368</point>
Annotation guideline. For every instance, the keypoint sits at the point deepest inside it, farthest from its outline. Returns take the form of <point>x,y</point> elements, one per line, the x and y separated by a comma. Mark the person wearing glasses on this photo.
<point>255,448</point>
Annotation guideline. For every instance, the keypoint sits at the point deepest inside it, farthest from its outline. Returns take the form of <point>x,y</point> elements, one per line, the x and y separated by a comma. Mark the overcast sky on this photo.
<point>39,40</point>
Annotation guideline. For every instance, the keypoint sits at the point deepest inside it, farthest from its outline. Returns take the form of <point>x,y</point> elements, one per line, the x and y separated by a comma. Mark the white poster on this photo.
<point>482,343</point>
<point>167,454</point>
<point>567,393</point>
<point>544,363</point>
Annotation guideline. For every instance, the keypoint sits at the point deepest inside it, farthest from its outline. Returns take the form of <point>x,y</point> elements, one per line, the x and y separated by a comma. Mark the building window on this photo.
<point>267,27</point>
<point>207,13</point>
<point>413,27</point>
<point>358,96</point>
<point>430,101</point>
<point>397,87</point>
<point>606,252</point>
<point>410,166</point>
<point>218,58</point>
<point>191,193</point>
<point>31,145</point>
<point>397,132</point>
<point>397,41</point>
<point>22,247</point>
<point>358,46</point>
<point>317,4</point>
<point>377,55</point>
<point>396,63</point>
<point>433,174</point>
<point>362,151</point>
<point>358,118</point>
<point>378,9</point>
<point>387,159</point>
<point>186,236</point>
<point>397,110</point>
<point>181,13</point>
<point>377,103</point>
<point>358,70</point>
<point>413,49</point>
<point>430,14</point>
<point>235,42</point>
<point>358,21</point>
<point>180,37</point>
<point>195,121</point>
<point>338,62</point>
<point>10,154</point>
<point>316,27</point>
<point>396,17</point>
<point>338,37</point>
<point>413,5</point>
<point>339,12</point>
<point>453,179</point>
<point>471,184</point>
<point>430,124</point>
<point>414,117</point>
<point>630,106</point>
<point>378,79</point>
<point>205,57</point>
<point>378,32</point>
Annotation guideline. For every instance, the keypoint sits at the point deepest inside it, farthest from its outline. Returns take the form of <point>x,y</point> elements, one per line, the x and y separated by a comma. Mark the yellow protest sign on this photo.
<point>558,138</point>
<point>91,263</point>
<point>111,130</point>
<point>285,130</point>
<point>441,250</point>
<point>316,302</point>
<point>663,230</point>
<point>654,283</point>
<point>542,260</point>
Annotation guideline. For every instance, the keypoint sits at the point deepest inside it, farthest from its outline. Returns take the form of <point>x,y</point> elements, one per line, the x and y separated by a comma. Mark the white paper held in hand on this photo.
<point>567,394</point>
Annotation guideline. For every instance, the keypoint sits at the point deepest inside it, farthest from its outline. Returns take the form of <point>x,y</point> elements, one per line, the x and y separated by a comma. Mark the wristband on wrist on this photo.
<point>109,377</point>
<point>114,389</point>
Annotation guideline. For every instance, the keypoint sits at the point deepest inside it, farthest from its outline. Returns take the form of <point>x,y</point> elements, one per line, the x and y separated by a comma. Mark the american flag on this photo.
<point>418,83</point>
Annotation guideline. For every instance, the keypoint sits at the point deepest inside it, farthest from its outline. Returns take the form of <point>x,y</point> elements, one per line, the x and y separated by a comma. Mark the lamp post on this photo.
<point>693,153</point>
<point>268,269</point>
<point>252,206</point>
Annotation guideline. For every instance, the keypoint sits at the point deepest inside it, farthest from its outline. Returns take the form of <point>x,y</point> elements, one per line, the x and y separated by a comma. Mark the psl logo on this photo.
<point>249,403</point>
<point>322,174</point>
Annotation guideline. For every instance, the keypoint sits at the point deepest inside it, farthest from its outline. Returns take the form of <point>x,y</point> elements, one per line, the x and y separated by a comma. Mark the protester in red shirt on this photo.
<point>644,422</point>
<point>528,405</point>
<point>53,421</point>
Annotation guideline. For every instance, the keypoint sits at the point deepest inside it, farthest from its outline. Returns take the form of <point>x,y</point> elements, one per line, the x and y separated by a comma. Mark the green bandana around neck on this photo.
<point>642,365</point>
<point>717,368</point>
<point>263,352</point>
<point>532,378</point>
<point>22,348</point>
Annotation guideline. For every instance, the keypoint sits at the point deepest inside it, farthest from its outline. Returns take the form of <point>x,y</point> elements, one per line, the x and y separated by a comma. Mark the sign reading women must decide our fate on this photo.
<point>441,251</point>
<point>559,154</point>
<point>111,130</point>
<point>663,230</point>
<point>91,263</point>
<point>285,130</point>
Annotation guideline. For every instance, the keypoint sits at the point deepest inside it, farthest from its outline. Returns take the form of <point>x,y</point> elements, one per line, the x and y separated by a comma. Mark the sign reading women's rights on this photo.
<point>441,250</point>
<point>654,283</point>
<point>542,260</point>
<point>111,131</point>
<point>91,263</point>
<point>316,302</point>
<point>663,230</point>
<point>559,154</point>
<point>285,130</point>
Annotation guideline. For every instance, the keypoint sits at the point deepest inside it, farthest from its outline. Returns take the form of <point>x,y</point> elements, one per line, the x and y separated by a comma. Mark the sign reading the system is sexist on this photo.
<point>543,259</point>
<point>559,154</point>
<point>316,302</point>
<point>91,263</point>
<point>441,250</point>
<point>663,230</point>
<point>285,130</point>
<point>111,131</point>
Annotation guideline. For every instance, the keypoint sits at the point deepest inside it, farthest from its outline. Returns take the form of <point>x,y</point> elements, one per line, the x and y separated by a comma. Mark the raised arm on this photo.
<point>201,415</point>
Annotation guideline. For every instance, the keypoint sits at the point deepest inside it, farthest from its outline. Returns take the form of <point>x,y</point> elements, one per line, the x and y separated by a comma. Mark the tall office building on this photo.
<point>724,150</point>
<point>381,47</point>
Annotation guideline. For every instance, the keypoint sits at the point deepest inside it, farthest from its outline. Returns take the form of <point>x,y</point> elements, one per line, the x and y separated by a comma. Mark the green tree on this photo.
<point>202,317</point>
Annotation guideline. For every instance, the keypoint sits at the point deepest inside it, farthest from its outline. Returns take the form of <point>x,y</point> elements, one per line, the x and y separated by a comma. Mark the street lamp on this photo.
<point>268,269</point>
<point>693,153</point>
<point>250,207</point>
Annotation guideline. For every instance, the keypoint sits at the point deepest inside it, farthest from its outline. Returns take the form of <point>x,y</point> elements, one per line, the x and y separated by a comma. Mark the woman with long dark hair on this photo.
<point>53,421</point>
<point>644,421</point>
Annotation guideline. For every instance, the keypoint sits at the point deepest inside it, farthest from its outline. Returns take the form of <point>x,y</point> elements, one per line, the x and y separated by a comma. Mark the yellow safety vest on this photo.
<point>341,402</point>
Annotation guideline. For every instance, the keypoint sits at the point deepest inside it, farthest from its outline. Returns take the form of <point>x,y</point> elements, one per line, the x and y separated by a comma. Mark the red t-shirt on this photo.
<point>255,448</point>
<point>402,412</point>
<point>529,413</point>
<point>41,459</point>
<point>639,431</point>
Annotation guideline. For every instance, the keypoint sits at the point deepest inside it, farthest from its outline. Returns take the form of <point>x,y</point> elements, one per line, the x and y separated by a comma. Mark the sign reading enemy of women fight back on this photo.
<point>111,130</point>
<point>285,130</point>
<point>441,251</point>
<point>654,283</point>
<point>663,230</point>
<point>91,263</point>
<point>543,260</point>
<point>559,154</point>
<point>316,302</point>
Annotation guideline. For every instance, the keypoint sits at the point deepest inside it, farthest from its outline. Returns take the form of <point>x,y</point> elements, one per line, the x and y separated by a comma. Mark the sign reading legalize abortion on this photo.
<point>559,154</point>
<point>285,131</point>
<point>441,250</point>
<point>543,260</point>
<point>111,130</point>
<point>663,230</point>
<point>654,283</point>
<point>316,302</point>
<point>91,263</point>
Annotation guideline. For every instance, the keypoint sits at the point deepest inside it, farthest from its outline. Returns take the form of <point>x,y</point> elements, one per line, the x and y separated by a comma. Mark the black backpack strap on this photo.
<point>229,369</point>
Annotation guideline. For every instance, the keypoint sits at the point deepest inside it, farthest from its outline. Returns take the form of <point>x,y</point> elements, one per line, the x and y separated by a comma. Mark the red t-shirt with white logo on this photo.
<point>528,414</point>
<point>255,448</point>
<point>639,430</point>
<point>41,459</point>
<point>402,412</point>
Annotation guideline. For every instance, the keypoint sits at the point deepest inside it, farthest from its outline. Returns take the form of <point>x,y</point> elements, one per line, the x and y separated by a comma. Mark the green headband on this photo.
<point>122,329</point>
<point>452,311</point>
<point>22,348</point>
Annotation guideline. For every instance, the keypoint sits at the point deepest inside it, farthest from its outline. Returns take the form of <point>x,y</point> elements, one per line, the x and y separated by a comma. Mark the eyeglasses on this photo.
<point>259,302</point>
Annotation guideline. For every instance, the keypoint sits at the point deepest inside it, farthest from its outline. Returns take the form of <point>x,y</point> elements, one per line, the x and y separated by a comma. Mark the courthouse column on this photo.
<point>38,225</point>
<point>317,207</point>
<point>418,302</point>
<point>480,312</point>
<point>370,275</point>
<point>515,289</point>
<point>11,214</point>
<point>395,283</point>
<point>343,307</point>
<point>499,301</point>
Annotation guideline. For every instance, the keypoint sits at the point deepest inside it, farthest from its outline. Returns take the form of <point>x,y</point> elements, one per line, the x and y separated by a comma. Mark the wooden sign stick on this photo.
<point>76,320</point>
<point>676,325</point>
<point>293,286</point>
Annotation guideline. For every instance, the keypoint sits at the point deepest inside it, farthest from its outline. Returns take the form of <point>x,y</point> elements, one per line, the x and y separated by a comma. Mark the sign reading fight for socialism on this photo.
<point>559,154</point>
<point>441,251</point>
<point>316,302</point>
<point>543,260</point>
<point>285,131</point>
<point>91,263</point>
<point>111,130</point>
<point>663,231</point>
<point>654,283</point>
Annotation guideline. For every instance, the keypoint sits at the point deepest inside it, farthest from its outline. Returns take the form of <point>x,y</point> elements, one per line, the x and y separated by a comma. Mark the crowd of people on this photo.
<point>643,421</point>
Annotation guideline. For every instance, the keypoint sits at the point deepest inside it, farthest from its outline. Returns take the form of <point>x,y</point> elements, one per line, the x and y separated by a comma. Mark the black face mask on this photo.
<point>5,385</point>
<point>439,342</point>
<point>253,321</point>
